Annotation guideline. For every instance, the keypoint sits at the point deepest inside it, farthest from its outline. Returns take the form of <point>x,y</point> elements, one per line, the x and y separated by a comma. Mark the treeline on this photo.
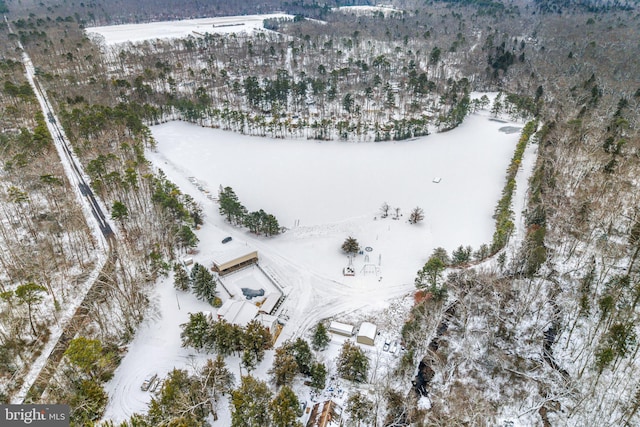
<point>86,366</point>
<point>23,91</point>
<point>267,86</point>
<point>503,213</point>
<point>258,222</point>
<point>202,332</point>
<point>45,244</point>
<point>120,175</point>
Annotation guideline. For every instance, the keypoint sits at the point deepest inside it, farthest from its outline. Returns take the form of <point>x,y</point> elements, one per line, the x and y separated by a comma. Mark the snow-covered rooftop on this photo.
<point>268,321</point>
<point>238,312</point>
<point>368,330</point>
<point>232,253</point>
<point>341,328</point>
<point>270,302</point>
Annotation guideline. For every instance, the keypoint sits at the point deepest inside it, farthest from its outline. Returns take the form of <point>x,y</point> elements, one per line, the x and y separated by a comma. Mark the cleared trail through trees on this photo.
<point>41,370</point>
<point>74,325</point>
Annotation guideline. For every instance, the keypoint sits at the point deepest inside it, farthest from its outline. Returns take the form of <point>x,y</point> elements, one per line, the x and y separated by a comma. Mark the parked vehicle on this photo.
<point>227,239</point>
<point>387,343</point>
<point>155,384</point>
<point>146,384</point>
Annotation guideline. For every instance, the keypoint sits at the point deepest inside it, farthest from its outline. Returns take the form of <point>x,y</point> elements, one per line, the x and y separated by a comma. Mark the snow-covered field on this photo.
<point>134,33</point>
<point>326,191</point>
<point>323,192</point>
<point>386,10</point>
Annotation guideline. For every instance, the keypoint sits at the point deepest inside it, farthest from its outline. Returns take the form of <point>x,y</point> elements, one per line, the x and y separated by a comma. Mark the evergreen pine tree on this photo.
<point>417,215</point>
<point>203,283</point>
<point>318,376</point>
<point>257,339</point>
<point>230,207</point>
<point>303,356</point>
<point>461,255</point>
<point>180,277</point>
<point>442,254</point>
<point>285,408</point>
<point>351,245</point>
<point>430,273</point>
<point>253,221</point>
<point>249,360</point>
<point>195,333</point>
<point>285,367</point>
<point>270,227</point>
<point>250,404</point>
<point>224,336</point>
<point>353,363</point>
<point>321,337</point>
<point>186,238</point>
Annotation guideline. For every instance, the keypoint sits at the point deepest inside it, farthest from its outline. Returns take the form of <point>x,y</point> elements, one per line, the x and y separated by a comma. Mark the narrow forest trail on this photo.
<point>76,324</point>
<point>42,368</point>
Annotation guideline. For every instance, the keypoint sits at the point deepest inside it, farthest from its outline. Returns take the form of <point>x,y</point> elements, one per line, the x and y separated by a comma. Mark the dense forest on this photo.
<point>552,332</point>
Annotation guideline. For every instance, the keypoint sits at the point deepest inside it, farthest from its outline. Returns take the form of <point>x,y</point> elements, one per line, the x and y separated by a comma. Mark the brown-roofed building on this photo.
<point>234,259</point>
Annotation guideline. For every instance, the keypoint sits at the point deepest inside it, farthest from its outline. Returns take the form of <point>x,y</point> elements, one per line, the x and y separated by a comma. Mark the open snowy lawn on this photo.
<point>332,190</point>
<point>134,33</point>
<point>326,191</point>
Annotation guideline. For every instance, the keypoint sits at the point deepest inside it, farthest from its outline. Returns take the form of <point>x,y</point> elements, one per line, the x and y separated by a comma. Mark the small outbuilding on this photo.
<point>367,333</point>
<point>268,321</point>
<point>341,329</point>
<point>270,302</point>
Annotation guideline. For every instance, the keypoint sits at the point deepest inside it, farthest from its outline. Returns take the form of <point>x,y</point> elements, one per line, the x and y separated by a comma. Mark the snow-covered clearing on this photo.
<point>323,192</point>
<point>134,33</point>
<point>361,10</point>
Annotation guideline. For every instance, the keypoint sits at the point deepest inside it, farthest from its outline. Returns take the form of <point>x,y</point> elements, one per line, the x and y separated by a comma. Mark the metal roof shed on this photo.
<point>341,329</point>
<point>268,321</point>
<point>270,303</point>
<point>367,333</point>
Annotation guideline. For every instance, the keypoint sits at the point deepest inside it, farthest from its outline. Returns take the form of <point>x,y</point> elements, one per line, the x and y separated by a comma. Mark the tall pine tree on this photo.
<point>230,206</point>
<point>203,283</point>
<point>321,337</point>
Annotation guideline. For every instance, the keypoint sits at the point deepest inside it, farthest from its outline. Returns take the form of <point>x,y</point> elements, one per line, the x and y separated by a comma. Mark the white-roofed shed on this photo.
<point>341,329</point>
<point>270,303</point>
<point>367,333</point>
<point>268,321</point>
